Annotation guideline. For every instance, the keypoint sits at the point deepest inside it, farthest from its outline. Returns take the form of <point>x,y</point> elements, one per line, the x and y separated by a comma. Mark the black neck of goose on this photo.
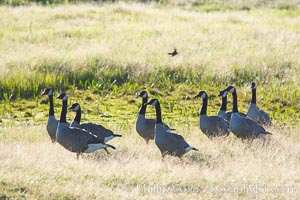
<point>63,114</point>
<point>158,113</point>
<point>204,106</point>
<point>143,107</point>
<point>78,116</point>
<point>224,103</point>
<point>253,100</point>
<point>51,110</point>
<point>235,106</point>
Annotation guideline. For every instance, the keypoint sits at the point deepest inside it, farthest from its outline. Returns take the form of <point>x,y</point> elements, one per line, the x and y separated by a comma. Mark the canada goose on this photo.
<point>98,130</point>
<point>243,127</point>
<point>145,127</point>
<point>256,114</point>
<point>211,125</point>
<point>75,139</point>
<point>168,143</point>
<point>52,122</point>
<point>222,112</point>
<point>174,53</point>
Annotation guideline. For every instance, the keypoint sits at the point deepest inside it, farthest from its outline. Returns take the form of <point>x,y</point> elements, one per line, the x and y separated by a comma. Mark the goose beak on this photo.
<point>70,108</point>
<point>195,97</point>
<point>137,95</point>
<point>44,93</point>
<point>60,96</point>
<point>220,94</point>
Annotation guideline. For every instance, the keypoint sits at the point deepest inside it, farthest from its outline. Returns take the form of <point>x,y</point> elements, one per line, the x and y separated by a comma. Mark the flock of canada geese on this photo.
<point>88,137</point>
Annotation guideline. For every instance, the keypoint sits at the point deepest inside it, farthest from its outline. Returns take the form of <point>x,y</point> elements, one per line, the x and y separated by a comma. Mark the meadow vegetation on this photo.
<point>101,54</point>
<point>120,49</point>
<point>33,168</point>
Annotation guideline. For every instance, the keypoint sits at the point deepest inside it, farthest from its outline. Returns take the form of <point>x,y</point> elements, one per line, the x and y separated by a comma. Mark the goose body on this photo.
<point>97,129</point>
<point>78,140</point>
<point>211,125</point>
<point>167,142</point>
<point>255,113</point>
<point>146,127</point>
<point>52,122</point>
<point>51,127</point>
<point>258,115</point>
<point>243,127</point>
<point>214,126</point>
<point>75,139</point>
<point>225,115</point>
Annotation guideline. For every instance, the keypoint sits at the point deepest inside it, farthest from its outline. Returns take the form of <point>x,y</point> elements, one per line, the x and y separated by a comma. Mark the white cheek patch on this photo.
<point>50,92</point>
<point>203,95</point>
<point>232,90</point>
<point>77,107</point>
<point>154,103</point>
<point>145,95</point>
<point>65,98</point>
<point>224,94</point>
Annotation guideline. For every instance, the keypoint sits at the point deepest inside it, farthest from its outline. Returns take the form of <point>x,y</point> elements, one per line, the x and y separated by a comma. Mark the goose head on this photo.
<point>152,102</point>
<point>202,95</point>
<point>74,107</point>
<point>63,96</point>
<point>223,93</point>
<point>48,91</point>
<point>142,94</point>
<point>230,89</point>
<point>253,85</point>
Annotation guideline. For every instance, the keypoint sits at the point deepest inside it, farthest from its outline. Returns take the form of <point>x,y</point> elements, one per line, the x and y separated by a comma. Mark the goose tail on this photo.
<point>117,135</point>
<point>111,146</point>
<point>195,149</point>
<point>187,149</point>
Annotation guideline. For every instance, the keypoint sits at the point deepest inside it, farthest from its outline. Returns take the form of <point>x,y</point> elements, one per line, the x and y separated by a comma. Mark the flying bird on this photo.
<point>174,53</point>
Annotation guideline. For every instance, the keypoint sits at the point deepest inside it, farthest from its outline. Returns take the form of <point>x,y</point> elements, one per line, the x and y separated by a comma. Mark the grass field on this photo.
<point>33,168</point>
<point>102,54</point>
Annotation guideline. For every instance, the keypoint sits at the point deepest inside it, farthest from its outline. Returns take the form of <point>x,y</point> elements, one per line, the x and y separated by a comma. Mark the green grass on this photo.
<point>120,49</point>
<point>103,54</point>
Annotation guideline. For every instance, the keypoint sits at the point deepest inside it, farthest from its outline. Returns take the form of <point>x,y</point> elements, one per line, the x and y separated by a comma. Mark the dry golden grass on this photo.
<point>128,34</point>
<point>33,168</point>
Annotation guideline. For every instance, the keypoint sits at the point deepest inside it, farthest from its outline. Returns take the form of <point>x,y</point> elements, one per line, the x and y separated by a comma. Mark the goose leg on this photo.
<point>106,151</point>
<point>163,155</point>
<point>181,158</point>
